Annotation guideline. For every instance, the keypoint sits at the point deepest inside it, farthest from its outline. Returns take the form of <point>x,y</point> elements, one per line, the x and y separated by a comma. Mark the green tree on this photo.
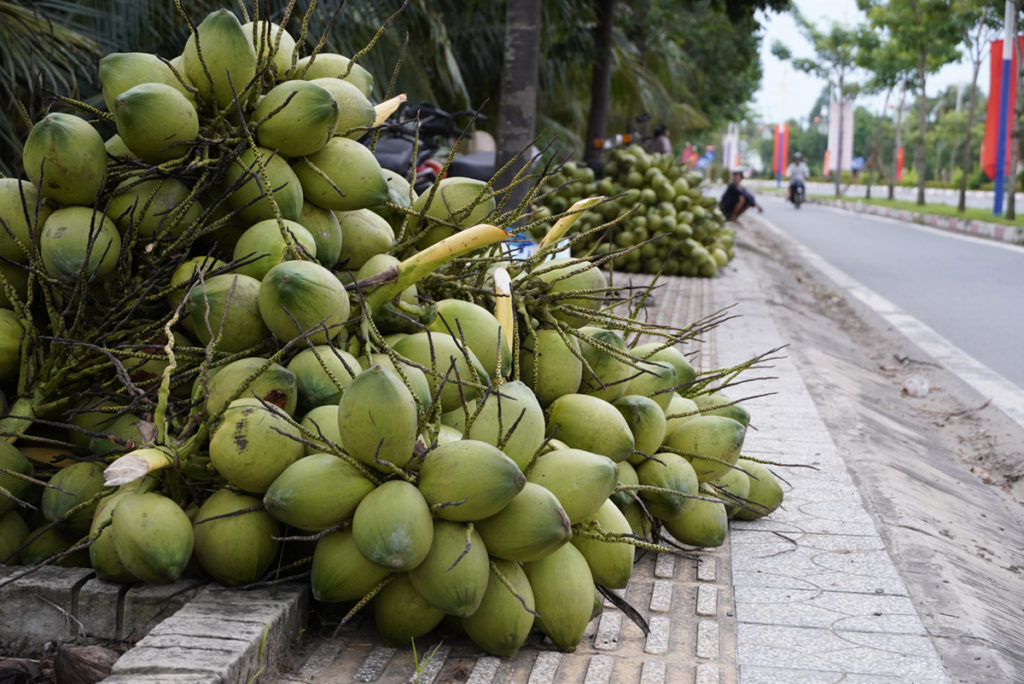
<point>922,36</point>
<point>835,58</point>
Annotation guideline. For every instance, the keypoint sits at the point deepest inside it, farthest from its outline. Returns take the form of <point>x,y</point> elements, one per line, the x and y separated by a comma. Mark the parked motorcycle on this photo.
<point>430,132</point>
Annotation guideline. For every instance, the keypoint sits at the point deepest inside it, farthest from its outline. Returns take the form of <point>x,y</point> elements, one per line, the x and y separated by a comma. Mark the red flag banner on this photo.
<point>988,145</point>
<point>785,149</point>
<point>781,149</point>
<point>899,163</point>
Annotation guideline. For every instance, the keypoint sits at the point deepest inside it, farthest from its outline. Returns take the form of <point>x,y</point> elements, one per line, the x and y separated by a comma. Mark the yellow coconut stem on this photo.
<point>562,225</point>
<point>419,265</point>
<point>136,464</point>
<point>503,309</point>
<point>386,108</point>
<point>51,456</point>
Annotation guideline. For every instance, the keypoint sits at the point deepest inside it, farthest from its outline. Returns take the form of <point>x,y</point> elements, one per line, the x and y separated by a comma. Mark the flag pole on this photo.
<point>1009,21</point>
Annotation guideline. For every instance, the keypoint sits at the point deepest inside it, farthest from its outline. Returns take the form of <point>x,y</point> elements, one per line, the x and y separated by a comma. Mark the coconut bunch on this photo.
<point>239,349</point>
<point>665,222</point>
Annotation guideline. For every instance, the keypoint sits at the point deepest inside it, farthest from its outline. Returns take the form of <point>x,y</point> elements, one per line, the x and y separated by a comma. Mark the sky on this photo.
<point>786,93</point>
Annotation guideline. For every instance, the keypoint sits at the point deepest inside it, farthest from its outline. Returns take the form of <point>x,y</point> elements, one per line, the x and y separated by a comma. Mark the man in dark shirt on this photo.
<point>736,199</point>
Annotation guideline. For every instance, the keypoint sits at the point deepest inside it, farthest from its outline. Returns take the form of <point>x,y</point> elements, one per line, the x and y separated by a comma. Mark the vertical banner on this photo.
<point>785,149</point>
<point>837,111</point>
<point>826,168</point>
<point>731,148</point>
<point>991,140</point>
<point>899,163</point>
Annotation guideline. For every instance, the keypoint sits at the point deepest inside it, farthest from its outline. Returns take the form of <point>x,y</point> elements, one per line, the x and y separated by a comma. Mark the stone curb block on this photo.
<point>221,635</point>
<point>52,603</point>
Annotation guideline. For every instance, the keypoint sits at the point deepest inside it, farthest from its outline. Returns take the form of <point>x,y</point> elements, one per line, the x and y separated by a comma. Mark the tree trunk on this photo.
<point>965,158</point>
<point>876,143</point>
<point>922,108</point>
<point>517,107</point>
<point>601,87</point>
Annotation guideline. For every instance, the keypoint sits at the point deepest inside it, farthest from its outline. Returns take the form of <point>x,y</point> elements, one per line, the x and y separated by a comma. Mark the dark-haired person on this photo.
<point>737,199</point>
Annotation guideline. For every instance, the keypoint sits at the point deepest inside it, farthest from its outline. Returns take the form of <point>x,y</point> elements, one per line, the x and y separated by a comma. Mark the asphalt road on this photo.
<point>970,291</point>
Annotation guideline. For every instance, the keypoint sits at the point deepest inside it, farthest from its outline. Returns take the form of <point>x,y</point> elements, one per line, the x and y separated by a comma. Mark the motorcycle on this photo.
<point>430,132</point>
<point>796,193</point>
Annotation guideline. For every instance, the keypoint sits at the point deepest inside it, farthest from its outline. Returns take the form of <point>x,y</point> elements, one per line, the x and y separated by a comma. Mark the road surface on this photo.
<point>970,291</point>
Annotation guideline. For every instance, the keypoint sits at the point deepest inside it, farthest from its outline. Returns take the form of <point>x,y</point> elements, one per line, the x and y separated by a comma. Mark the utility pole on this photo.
<point>1009,23</point>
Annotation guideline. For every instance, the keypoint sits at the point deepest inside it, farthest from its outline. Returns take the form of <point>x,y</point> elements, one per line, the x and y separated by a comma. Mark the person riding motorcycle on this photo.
<point>798,174</point>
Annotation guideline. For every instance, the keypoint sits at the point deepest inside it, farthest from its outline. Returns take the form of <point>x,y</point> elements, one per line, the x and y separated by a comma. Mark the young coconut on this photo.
<point>79,241</point>
<point>228,62</point>
<point>253,443</point>
<point>378,419</point>
<point>153,537</point>
<point>343,176</point>
<point>296,118</point>
<point>65,158</point>
<point>155,121</point>
<point>302,298</point>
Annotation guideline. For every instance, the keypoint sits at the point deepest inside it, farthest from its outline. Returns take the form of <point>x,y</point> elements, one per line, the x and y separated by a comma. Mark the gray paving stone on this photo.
<point>707,600</point>
<point>608,628</point>
<point>188,678</point>
<point>147,604</point>
<point>768,542</point>
<point>658,638</point>
<point>910,657</point>
<point>707,673</point>
<point>99,608</point>
<point>484,671</point>
<point>545,668</point>
<point>707,639</point>
<point>827,609</point>
<point>600,670</point>
<point>706,569</point>
<point>653,672</point>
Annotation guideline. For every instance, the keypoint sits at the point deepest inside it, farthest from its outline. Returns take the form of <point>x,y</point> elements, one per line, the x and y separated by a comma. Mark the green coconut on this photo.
<point>340,572</point>
<point>343,176</point>
<point>296,118</point>
<point>610,561</point>
<point>102,552</point>
<point>155,121</point>
<point>322,421</point>
<point>400,193</point>
<point>446,361</point>
<point>379,263</point>
<point>13,461</point>
<point>392,526</point>
<point>233,543</point>
<point>627,477</point>
<point>401,615</point>
<point>153,537</point>
<point>581,480</point>
<point>13,532</point>
<point>505,617</point>
<point>271,43</point>
<point>711,443</point>
<point>248,377</point>
<point>154,208</point>
<point>224,309</point>
<point>676,482</point>
<point>646,421</point>
<point>529,527</point>
<point>468,480</point>
<point>79,241</point>
<point>511,418</point>
<point>453,577</point>
<point>765,493</point>
<point>323,225</point>
<point>481,331</point>
<point>228,60</point>
<point>735,486</point>
<point>355,111</point>
<point>13,284</point>
<point>253,443</point>
<point>453,204</point>
<point>592,424</point>
<point>566,275</point>
<point>72,495</point>
<point>263,246</point>
<point>363,234</point>
<point>378,419</point>
<point>605,374</point>
<point>331,65</point>
<point>121,71</point>
<point>11,335</point>
<point>322,373</point>
<point>302,298</point>
<point>120,435</point>
<point>680,409</point>
<point>251,195</point>
<point>316,492</point>
<point>656,351</point>
<point>653,379</point>
<point>702,523</point>
<point>45,542</point>
<point>414,378</point>
<point>22,214</point>
<point>186,272</point>
<point>563,594</point>
<point>65,159</point>
<point>718,404</point>
<point>550,365</point>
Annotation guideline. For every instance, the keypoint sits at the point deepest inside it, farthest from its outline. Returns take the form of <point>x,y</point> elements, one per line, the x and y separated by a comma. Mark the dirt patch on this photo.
<point>941,470</point>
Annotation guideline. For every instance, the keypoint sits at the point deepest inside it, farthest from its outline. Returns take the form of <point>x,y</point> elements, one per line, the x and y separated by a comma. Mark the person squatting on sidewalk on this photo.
<point>736,199</point>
